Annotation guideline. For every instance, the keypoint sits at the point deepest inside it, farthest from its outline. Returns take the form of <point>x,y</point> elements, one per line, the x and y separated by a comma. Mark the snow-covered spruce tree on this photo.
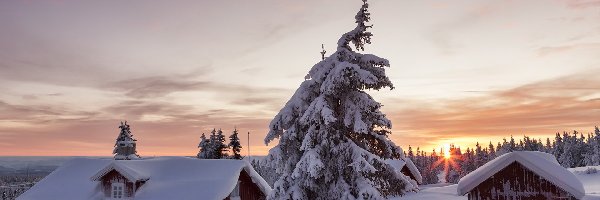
<point>235,146</point>
<point>219,146</point>
<point>595,147</point>
<point>204,147</point>
<point>125,144</point>
<point>332,135</point>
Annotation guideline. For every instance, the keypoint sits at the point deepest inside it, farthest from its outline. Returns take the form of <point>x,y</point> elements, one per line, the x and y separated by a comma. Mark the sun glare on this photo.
<point>447,151</point>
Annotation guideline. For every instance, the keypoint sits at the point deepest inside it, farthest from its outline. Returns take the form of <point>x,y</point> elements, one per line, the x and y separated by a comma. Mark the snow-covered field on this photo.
<point>591,183</point>
<point>437,191</point>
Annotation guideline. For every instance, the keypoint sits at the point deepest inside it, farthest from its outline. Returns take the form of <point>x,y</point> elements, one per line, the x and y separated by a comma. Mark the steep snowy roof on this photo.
<point>543,164</point>
<point>169,178</point>
<point>398,164</point>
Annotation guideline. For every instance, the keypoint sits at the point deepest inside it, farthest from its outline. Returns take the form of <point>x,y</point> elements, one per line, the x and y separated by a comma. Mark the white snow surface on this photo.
<point>169,178</point>
<point>591,182</point>
<point>441,192</point>
<point>543,164</point>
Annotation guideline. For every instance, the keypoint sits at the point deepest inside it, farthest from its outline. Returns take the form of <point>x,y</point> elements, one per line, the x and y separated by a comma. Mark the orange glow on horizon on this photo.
<point>446,151</point>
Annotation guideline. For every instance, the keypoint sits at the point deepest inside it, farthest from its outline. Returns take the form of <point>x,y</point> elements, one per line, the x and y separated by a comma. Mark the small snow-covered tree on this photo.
<point>220,147</point>
<point>595,148</point>
<point>204,146</point>
<point>125,144</point>
<point>234,144</point>
<point>217,149</point>
<point>211,147</point>
<point>332,136</point>
<point>492,152</point>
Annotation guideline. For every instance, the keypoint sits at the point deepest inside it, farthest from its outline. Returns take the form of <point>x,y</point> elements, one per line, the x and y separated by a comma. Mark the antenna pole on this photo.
<point>248,146</point>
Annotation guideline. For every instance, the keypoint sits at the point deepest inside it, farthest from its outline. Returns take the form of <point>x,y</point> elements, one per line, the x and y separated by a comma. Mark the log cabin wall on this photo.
<point>248,189</point>
<point>408,173</point>
<point>114,176</point>
<point>515,182</point>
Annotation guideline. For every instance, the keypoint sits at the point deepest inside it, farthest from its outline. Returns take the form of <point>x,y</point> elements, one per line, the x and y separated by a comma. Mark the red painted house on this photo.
<point>157,178</point>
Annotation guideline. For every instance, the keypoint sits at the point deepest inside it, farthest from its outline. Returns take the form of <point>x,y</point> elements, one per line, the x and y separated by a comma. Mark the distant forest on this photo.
<point>572,149</point>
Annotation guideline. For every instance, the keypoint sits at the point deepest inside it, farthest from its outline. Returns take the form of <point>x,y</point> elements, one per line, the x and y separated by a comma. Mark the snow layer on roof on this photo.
<point>543,164</point>
<point>129,173</point>
<point>413,169</point>
<point>170,178</point>
<point>398,164</point>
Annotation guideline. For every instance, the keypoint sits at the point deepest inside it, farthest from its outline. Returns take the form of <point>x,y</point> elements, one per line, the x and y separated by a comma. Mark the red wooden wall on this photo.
<point>114,176</point>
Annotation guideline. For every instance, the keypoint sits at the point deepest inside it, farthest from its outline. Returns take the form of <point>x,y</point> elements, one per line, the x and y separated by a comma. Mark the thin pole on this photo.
<point>249,146</point>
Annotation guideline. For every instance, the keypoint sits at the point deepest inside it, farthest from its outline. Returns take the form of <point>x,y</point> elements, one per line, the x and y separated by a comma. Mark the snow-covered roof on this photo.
<point>543,164</point>
<point>398,164</point>
<point>121,167</point>
<point>169,178</point>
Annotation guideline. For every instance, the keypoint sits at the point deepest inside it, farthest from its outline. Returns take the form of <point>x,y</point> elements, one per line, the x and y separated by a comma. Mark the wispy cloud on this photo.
<point>150,87</point>
<point>581,4</point>
<point>549,50</point>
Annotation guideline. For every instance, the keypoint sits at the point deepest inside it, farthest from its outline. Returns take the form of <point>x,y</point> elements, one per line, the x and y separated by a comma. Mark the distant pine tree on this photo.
<point>491,151</point>
<point>212,152</point>
<point>204,146</point>
<point>234,144</point>
<point>219,146</point>
<point>125,144</point>
<point>595,148</point>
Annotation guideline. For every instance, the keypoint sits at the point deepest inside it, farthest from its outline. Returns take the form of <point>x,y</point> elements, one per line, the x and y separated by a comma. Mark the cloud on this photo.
<point>550,50</point>
<point>540,108</point>
<point>157,86</point>
<point>582,4</point>
<point>36,114</point>
<point>442,35</point>
<point>42,131</point>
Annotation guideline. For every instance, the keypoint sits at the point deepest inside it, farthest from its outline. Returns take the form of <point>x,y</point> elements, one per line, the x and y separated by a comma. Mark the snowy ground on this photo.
<point>591,183</point>
<point>437,191</point>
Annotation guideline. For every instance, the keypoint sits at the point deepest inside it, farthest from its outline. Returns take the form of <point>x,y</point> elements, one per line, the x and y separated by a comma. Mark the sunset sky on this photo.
<point>464,71</point>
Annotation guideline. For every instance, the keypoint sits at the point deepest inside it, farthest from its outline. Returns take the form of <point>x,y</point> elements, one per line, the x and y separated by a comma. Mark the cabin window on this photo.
<point>117,190</point>
<point>235,194</point>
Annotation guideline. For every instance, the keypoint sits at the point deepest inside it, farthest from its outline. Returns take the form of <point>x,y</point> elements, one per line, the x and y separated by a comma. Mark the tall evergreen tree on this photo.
<point>491,152</point>
<point>411,154</point>
<point>333,137</point>
<point>480,157</point>
<point>125,144</point>
<point>595,148</point>
<point>234,144</point>
<point>204,146</point>
<point>567,158</point>
<point>219,146</point>
<point>212,145</point>
<point>558,146</point>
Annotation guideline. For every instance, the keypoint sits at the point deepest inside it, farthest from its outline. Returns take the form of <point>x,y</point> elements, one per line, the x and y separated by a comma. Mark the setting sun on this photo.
<point>446,151</point>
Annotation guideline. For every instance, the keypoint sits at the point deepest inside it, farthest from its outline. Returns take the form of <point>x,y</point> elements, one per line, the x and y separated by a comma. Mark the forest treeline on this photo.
<point>571,149</point>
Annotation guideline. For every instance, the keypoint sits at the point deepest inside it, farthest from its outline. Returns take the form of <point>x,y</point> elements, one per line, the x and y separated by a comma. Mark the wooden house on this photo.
<point>406,167</point>
<point>521,175</point>
<point>156,178</point>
